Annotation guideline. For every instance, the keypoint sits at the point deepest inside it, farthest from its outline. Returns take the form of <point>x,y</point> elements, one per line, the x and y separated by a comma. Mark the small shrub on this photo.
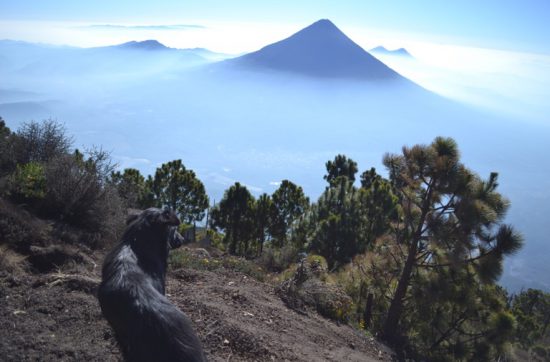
<point>317,264</point>
<point>216,239</point>
<point>277,260</point>
<point>195,259</point>
<point>541,351</point>
<point>40,142</point>
<point>11,262</point>
<point>7,162</point>
<point>19,229</point>
<point>307,289</point>
<point>28,183</point>
<point>79,194</point>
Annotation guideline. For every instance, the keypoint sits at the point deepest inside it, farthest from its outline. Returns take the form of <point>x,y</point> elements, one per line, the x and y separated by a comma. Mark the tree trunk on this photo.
<point>389,332</point>
<point>262,240</point>
<point>367,317</point>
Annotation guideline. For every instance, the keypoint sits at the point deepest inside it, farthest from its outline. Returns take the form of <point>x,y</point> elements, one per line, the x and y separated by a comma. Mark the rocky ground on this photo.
<point>55,316</point>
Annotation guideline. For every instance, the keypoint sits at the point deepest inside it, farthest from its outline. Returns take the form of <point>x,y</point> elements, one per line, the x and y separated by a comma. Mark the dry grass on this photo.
<point>12,262</point>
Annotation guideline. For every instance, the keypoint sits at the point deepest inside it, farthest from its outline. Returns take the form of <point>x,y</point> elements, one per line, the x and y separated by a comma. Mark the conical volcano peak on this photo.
<point>322,31</point>
<point>319,50</point>
<point>323,24</point>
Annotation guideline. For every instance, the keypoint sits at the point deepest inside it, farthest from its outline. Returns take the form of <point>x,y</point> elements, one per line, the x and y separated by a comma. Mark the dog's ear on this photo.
<point>168,217</point>
<point>131,218</point>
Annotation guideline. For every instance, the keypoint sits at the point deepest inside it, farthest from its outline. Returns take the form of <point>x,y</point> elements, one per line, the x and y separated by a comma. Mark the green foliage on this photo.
<point>532,311</point>
<point>346,220</point>
<point>309,287</point>
<point>7,162</point>
<point>40,142</point>
<point>378,202</point>
<point>235,216</point>
<point>263,211</point>
<point>28,183</point>
<point>453,315</point>
<point>340,167</point>
<point>317,262</point>
<point>278,259</point>
<point>131,187</point>
<point>176,187</point>
<point>79,193</point>
<point>451,244</point>
<point>39,171</point>
<point>289,203</point>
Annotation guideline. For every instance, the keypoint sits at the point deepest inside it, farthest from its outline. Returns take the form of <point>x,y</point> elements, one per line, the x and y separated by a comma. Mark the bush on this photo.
<point>11,262</point>
<point>308,288</point>
<point>28,183</point>
<point>40,142</point>
<point>543,352</point>
<point>279,259</point>
<point>19,229</point>
<point>7,163</point>
<point>78,193</point>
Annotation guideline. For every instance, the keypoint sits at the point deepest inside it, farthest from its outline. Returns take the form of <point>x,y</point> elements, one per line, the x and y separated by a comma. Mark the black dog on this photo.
<point>147,326</point>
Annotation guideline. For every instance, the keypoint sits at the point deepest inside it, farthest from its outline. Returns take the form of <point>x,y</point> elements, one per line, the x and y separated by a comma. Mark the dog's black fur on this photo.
<point>147,326</point>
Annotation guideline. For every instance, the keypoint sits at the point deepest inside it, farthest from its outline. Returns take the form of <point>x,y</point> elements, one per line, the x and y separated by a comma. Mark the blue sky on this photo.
<point>511,25</point>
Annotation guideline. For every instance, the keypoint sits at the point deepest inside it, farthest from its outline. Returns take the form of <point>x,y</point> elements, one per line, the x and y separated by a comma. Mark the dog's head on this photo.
<point>155,217</point>
<point>166,221</point>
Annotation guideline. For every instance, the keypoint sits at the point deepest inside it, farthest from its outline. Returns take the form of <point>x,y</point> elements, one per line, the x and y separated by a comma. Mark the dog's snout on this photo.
<point>177,240</point>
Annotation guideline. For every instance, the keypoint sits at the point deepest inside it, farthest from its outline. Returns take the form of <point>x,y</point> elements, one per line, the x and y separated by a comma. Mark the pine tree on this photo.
<point>289,202</point>
<point>176,187</point>
<point>130,185</point>
<point>341,166</point>
<point>234,215</point>
<point>449,219</point>
<point>263,215</point>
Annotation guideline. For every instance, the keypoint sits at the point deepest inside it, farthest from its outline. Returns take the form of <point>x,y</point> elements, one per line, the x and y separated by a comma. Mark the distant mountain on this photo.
<point>320,50</point>
<point>138,57</point>
<point>402,52</point>
<point>208,54</point>
<point>143,45</point>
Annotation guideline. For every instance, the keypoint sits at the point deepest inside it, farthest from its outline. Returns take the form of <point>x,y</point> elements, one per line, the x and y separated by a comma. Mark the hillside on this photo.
<point>56,316</point>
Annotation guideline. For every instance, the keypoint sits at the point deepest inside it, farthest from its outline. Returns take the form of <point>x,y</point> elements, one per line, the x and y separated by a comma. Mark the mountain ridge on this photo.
<point>401,52</point>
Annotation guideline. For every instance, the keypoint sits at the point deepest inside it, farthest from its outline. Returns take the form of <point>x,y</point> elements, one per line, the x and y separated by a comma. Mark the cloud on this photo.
<point>228,181</point>
<point>127,162</point>
<point>144,27</point>
<point>275,183</point>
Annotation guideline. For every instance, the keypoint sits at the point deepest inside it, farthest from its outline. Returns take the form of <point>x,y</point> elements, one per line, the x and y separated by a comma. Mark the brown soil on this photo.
<point>56,317</point>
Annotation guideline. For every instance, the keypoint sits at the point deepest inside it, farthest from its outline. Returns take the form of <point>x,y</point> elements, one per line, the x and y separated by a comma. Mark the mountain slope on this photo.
<point>236,317</point>
<point>319,50</point>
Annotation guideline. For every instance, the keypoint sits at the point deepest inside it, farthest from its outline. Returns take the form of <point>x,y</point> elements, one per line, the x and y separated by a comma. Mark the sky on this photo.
<point>243,25</point>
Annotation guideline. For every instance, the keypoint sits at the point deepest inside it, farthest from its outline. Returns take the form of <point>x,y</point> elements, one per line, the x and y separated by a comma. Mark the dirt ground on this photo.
<point>56,317</point>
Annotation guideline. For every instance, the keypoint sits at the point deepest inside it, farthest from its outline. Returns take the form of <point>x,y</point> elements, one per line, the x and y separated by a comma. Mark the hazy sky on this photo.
<point>495,54</point>
<point>503,24</point>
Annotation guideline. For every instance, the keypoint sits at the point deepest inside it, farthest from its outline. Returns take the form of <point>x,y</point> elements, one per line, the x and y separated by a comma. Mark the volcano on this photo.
<point>319,50</point>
